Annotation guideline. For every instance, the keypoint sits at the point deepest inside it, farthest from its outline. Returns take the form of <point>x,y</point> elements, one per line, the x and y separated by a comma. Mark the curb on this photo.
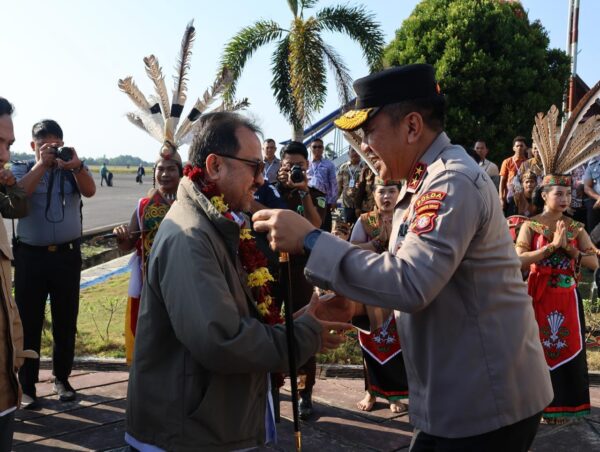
<point>351,371</point>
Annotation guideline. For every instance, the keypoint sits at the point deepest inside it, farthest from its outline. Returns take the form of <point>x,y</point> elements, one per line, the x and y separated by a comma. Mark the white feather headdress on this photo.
<point>561,152</point>
<point>158,116</point>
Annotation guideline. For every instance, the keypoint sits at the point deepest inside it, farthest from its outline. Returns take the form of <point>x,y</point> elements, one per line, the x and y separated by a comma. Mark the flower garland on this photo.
<point>253,260</point>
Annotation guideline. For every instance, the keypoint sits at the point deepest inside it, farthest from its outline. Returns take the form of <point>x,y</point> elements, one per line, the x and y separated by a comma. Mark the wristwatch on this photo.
<point>79,168</point>
<point>310,239</point>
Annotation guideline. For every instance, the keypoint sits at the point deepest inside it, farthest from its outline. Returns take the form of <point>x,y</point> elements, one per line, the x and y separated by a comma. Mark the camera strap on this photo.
<point>61,177</point>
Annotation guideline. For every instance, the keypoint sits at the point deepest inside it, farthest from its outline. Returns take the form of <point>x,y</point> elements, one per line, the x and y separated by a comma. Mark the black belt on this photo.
<point>69,246</point>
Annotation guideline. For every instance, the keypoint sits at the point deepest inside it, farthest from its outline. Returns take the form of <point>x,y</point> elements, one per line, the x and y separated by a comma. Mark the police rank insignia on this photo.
<point>426,208</point>
<point>417,177</point>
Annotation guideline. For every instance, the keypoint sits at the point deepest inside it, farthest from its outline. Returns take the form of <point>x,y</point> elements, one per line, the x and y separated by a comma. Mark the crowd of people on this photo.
<point>449,312</point>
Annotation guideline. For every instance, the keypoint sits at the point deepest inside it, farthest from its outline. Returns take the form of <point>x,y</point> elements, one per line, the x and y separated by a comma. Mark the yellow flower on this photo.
<point>245,234</point>
<point>259,277</point>
<point>267,300</point>
<point>219,204</point>
<point>263,309</point>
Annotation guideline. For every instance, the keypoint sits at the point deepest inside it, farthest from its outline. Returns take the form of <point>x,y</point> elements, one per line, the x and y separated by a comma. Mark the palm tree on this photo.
<point>299,61</point>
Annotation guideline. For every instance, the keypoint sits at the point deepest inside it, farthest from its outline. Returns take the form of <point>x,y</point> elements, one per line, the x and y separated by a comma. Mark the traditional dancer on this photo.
<point>554,247</point>
<point>385,374</point>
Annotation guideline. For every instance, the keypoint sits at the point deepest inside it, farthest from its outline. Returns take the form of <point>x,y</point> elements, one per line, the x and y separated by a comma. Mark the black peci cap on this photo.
<point>393,85</point>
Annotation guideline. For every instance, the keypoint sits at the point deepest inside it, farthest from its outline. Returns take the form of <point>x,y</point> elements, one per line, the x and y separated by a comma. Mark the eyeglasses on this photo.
<point>259,165</point>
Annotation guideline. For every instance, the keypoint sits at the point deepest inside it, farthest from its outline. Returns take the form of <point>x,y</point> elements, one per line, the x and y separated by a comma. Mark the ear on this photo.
<point>32,144</point>
<point>414,122</point>
<point>214,166</point>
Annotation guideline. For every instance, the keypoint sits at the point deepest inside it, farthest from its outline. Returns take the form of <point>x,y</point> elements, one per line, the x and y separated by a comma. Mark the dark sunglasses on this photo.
<point>259,165</point>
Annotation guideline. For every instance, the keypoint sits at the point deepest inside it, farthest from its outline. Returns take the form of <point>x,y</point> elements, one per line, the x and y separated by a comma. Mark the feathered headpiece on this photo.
<point>561,152</point>
<point>158,116</point>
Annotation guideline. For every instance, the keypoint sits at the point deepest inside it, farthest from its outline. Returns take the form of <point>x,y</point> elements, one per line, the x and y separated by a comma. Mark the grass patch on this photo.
<point>88,251</point>
<point>100,326</point>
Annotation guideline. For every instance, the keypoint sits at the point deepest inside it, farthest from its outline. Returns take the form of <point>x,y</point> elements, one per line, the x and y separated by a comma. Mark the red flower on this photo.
<point>250,256</point>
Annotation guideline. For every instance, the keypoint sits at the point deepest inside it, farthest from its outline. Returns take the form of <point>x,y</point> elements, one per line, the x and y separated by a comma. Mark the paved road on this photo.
<point>110,205</point>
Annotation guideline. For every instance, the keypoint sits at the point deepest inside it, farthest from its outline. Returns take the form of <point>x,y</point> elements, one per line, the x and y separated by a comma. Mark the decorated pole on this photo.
<point>288,305</point>
<point>574,37</point>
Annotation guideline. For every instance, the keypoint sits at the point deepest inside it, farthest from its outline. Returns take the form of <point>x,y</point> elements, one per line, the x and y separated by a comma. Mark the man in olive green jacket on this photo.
<point>199,379</point>
<point>13,204</point>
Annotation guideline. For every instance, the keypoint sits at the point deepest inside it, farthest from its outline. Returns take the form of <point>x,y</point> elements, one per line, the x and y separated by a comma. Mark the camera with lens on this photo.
<point>64,153</point>
<point>297,174</point>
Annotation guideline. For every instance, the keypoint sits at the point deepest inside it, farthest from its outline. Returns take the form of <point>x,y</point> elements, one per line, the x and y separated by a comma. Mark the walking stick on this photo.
<point>286,275</point>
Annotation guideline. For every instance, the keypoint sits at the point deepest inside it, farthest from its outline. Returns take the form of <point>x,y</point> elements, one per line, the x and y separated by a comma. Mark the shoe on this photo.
<point>65,391</point>
<point>305,408</point>
<point>29,402</point>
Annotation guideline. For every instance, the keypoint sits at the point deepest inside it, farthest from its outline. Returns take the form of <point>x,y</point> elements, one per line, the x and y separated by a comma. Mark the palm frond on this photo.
<point>280,68</point>
<point>307,4</point>
<point>242,46</point>
<point>358,24</point>
<point>307,69</point>
<point>343,81</point>
<point>293,4</point>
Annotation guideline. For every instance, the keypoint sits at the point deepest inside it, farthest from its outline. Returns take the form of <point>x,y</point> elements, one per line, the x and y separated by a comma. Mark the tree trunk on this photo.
<point>297,133</point>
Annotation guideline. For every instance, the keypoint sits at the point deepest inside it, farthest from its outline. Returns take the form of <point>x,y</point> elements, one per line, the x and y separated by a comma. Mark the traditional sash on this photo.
<point>383,343</point>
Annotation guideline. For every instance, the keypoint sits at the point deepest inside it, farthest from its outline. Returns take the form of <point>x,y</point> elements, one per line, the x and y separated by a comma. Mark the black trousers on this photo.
<point>39,273</point>
<point>7,428</point>
<point>516,437</point>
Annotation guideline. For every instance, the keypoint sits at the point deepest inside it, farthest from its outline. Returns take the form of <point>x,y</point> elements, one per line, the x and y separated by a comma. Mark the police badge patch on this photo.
<point>424,222</point>
<point>426,209</point>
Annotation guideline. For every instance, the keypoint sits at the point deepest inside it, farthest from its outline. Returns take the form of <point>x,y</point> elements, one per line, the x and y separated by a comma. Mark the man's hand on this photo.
<point>48,154</point>
<point>284,176</point>
<point>332,308</point>
<point>7,178</point>
<point>72,164</point>
<point>332,314</point>
<point>596,204</point>
<point>285,229</point>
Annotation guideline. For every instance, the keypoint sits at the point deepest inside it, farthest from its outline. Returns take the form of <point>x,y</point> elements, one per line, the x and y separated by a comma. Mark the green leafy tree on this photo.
<point>301,56</point>
<point>493,64</point>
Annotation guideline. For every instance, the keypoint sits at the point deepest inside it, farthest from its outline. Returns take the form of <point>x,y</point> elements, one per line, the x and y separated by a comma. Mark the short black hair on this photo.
<point>432,110</point>
<point>316,139</point>
<point>269,140</point>
<point>474,155</point>
<point>216,134</point>
<point>46,128</point>
<point>295,148</point>
<point>519,138</point>
<point>6,108</point>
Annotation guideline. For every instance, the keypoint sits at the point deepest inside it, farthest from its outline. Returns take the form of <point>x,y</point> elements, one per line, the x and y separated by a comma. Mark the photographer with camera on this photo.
<point>292,184</point>
<point>47,252</point>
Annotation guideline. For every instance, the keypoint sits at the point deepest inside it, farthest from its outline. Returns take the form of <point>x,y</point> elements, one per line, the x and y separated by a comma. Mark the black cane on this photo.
<point>286,275</point>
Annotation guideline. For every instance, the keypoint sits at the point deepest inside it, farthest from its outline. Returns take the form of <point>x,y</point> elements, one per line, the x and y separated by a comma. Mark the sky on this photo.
<point>61,59</point>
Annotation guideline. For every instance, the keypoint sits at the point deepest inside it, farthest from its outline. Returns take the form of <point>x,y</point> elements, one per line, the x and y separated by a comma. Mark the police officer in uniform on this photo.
<point>476,370</point>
